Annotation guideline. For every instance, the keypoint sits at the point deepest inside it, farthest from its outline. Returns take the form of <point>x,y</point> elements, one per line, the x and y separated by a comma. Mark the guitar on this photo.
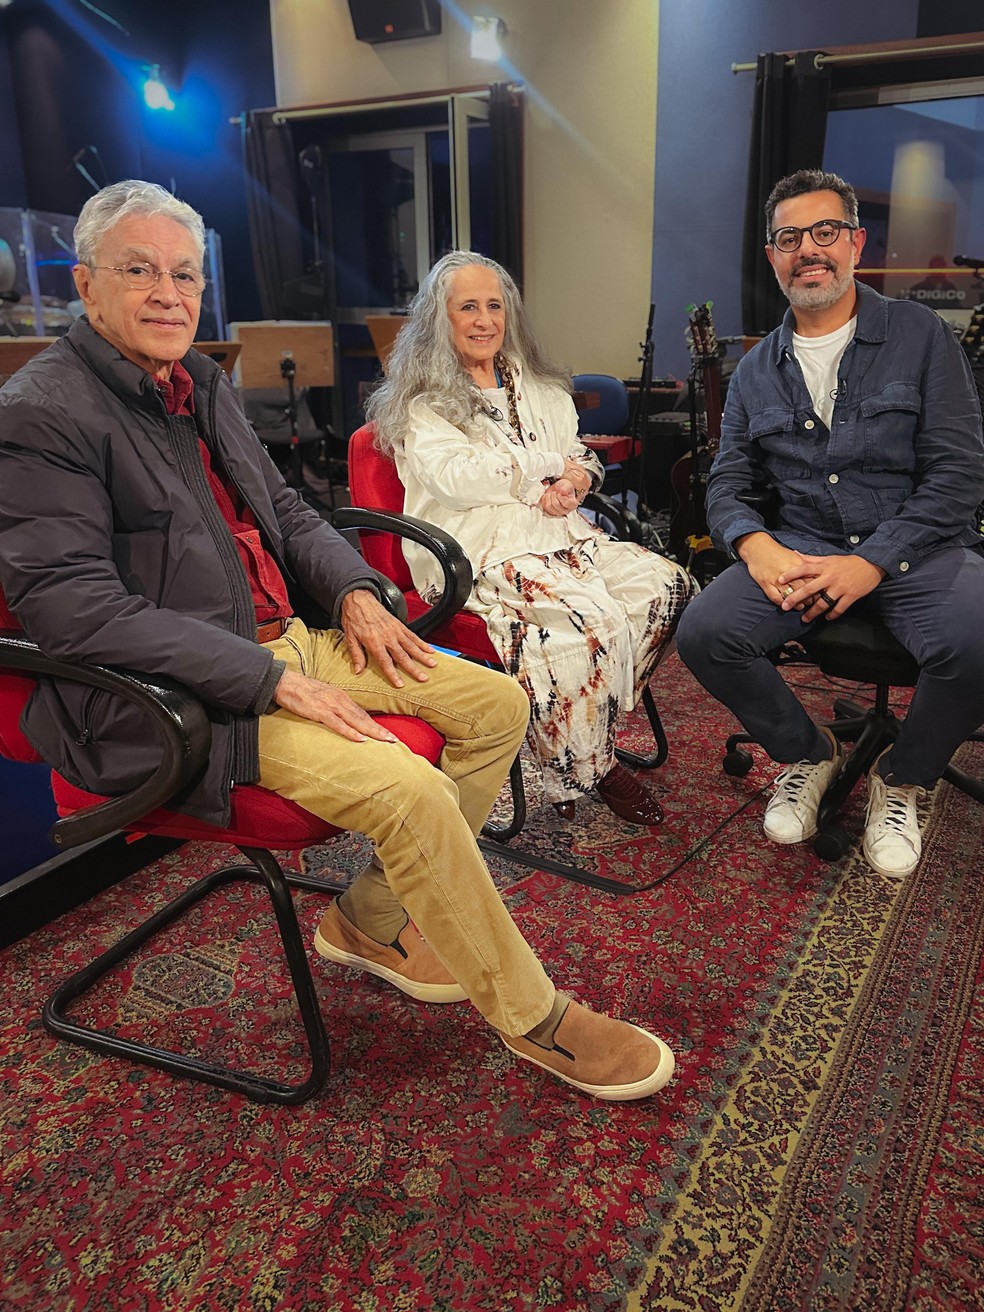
<point>688,476</point>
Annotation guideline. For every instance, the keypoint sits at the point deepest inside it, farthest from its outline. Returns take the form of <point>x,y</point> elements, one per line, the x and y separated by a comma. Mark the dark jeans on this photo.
<point>936,610</point>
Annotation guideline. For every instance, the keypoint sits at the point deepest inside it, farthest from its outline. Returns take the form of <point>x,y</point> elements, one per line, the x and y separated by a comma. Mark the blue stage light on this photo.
<point>155,93</point>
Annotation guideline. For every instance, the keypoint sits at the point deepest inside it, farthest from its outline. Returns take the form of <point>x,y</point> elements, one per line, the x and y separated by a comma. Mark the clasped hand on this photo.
<point>818,586</point>
<point>559,498</point>
<point>370,631</point>
<point>567,492</point>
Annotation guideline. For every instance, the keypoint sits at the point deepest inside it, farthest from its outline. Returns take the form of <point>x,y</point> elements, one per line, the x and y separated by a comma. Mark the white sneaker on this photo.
<point>892,843</point>
<point>791,815</point>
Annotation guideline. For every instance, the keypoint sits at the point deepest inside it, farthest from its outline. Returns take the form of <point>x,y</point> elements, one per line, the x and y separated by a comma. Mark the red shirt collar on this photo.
<point>178,391</point>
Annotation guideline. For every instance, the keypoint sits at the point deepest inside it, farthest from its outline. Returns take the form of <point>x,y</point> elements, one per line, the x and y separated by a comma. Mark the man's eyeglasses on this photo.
<point>141,277</point>
<point>824,233</point>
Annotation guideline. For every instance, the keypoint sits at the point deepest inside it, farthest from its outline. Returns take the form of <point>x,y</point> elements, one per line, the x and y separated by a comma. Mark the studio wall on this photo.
<point>590,76</point>
<point>703,125</point>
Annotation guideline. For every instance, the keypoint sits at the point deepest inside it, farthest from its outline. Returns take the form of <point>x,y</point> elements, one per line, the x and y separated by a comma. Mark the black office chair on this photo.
<point>859,648</point>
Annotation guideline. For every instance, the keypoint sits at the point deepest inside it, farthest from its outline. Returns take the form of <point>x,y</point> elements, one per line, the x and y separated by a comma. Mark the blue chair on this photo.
<point>603,415</point>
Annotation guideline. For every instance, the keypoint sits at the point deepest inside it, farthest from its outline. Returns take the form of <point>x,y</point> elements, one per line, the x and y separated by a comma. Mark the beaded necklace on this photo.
<point>504,368</point>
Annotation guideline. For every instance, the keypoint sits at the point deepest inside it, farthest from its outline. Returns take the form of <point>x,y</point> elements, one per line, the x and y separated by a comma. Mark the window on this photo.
<point>915,155</point>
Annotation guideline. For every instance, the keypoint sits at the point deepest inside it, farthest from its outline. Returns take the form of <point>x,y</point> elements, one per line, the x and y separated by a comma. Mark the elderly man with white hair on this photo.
<point>142,524</point>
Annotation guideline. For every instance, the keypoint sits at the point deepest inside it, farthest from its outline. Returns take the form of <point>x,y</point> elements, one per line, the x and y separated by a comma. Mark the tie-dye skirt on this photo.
<point>582,630</point>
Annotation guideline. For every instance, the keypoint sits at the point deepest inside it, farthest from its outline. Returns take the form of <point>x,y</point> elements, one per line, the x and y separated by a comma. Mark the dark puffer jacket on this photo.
<point>113,550</point>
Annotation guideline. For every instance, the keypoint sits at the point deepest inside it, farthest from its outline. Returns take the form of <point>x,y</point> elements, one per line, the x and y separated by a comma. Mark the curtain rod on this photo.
<point>409,100</point>
<point>878,56</point>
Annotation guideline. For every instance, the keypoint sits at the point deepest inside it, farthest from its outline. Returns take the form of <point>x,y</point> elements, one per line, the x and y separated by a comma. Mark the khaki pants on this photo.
<point>422,821</point>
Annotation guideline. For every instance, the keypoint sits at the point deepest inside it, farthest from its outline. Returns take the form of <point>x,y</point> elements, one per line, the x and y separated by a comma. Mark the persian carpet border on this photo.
<point>810,1188</point>
<point>720,1225</point>
<point>846,1232</point>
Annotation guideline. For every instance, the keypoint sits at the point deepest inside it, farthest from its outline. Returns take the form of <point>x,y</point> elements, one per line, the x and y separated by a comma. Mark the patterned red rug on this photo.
<point>819,1147</point>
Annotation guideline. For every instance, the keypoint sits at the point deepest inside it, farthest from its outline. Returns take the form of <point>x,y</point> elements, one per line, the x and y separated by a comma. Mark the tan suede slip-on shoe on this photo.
<point>609,1059</point>
<point>409,963</point>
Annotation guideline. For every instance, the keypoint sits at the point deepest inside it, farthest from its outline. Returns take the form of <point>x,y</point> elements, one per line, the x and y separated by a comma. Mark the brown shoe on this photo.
<point>408,962</point>
<point>622,793</point>
<point>610,1059</point>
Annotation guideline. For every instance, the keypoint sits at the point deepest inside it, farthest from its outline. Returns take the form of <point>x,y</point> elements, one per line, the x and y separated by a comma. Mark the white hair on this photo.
<point>106,208</point>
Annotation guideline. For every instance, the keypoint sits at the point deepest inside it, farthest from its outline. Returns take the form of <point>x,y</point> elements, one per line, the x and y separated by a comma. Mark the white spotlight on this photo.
<point>486,38</point>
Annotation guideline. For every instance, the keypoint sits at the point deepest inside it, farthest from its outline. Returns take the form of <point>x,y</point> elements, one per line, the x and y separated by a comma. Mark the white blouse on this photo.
<point>483,485</point>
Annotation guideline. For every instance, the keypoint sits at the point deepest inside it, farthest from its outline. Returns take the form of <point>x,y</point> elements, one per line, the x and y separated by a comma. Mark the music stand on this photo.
<point>223,353</point>
<point>280,352</point>
<point>384,330</point>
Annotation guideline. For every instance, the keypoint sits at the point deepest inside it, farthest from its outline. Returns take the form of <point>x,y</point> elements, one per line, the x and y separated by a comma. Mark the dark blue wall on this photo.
<point>13,188</point>
<point>75,82</point>
<point>702,135</point>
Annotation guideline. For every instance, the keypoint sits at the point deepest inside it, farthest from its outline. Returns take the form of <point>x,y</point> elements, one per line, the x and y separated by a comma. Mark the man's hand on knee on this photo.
<point>768,561</point>
<point>332,707</point>
<point>826,586</point>
<point>370,628</point>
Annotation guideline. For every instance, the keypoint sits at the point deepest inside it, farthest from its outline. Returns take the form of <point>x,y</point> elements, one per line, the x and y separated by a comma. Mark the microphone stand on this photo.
<point>288,370</point>
<point>639,429</point>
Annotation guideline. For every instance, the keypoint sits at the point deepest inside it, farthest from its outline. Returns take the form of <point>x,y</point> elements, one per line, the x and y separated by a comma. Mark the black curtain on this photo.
<point>789,124</point>
<point>274,220</point>
<point>506,125</point>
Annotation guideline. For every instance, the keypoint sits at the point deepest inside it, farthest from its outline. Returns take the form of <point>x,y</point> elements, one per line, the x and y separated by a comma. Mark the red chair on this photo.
<point>260,821</point>
<point>377,513</point>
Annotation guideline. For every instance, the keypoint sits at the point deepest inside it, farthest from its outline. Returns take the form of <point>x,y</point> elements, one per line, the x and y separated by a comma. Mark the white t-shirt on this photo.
<point>819,358</point>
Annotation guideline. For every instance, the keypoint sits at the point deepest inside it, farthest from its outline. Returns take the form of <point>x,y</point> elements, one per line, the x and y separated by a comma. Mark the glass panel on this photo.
<point>918,169</point>
<point>36,284</point>
<point>212,326</point>
<point>439,171</point>
<point>17,309</point>
<point>37,291</point>
<point>375,226</point>
<point>480,185</point>
<point>479,189</point>
<point>54,256</point>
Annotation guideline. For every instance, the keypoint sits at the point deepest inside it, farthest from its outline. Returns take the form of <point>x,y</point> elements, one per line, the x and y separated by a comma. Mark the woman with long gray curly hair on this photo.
<point>483,430</point>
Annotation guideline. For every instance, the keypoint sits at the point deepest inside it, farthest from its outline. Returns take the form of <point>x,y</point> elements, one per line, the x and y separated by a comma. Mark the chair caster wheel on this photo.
<point>833,843</point>
<point>737,763</point>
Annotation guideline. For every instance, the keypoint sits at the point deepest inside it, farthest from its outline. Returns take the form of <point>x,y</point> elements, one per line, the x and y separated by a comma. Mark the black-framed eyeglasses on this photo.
<point>824,233</point>
<point>141,277</point>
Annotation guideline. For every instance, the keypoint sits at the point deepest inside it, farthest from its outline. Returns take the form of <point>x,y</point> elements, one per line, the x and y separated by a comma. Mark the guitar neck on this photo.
<point>712,403</point>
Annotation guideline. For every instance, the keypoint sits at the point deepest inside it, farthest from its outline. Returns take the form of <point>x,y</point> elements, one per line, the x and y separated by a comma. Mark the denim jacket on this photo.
<point>900,472</point>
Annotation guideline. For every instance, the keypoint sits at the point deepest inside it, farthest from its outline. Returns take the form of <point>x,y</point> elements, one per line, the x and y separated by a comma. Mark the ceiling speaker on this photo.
<point>376,21</point>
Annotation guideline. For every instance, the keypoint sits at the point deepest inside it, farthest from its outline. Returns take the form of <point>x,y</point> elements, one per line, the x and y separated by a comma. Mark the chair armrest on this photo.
<point>391,596</point>
<point>176,715</point>
<point>455,565</point>
<point>627,526</point>
<point>316,617</point>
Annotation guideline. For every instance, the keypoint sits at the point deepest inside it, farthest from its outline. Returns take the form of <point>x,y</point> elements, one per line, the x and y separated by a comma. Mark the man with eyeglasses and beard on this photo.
<point>861,414</point>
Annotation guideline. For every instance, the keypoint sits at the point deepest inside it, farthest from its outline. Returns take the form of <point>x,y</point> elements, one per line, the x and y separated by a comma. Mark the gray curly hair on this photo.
<point>425,366</point>
<point>106,208</point>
